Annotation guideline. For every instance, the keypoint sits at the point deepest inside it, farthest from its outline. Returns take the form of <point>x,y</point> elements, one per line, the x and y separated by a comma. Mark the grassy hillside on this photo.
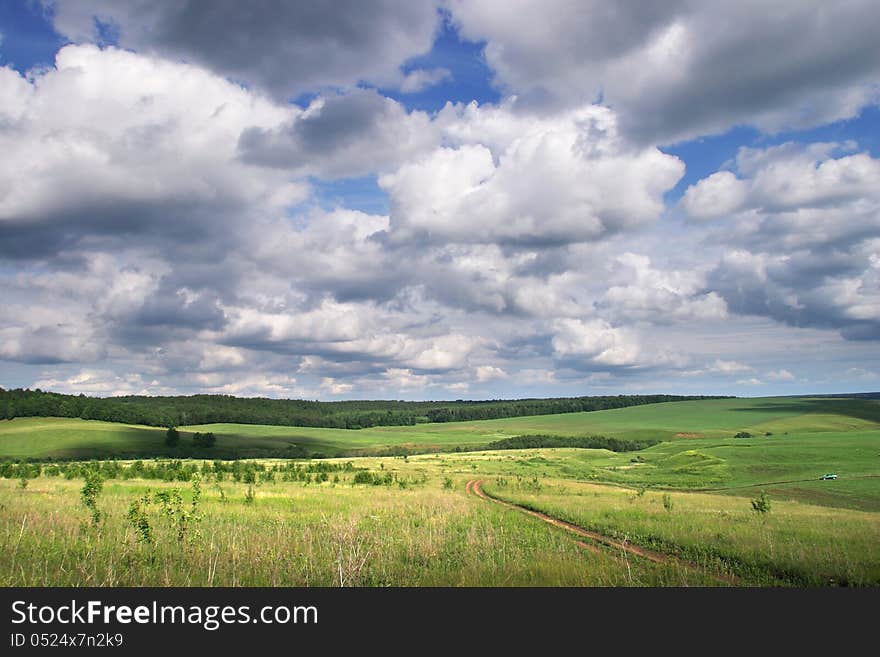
<point>788,467</point>
<point>59,438</point>
<point>714,418</point>
<point>66,438</point>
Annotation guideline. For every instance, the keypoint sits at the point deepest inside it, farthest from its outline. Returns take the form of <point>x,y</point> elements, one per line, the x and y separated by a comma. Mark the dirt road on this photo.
<point>474,487</point>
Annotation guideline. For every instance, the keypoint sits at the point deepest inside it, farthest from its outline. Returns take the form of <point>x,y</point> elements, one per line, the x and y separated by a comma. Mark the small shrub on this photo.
<point>137,518</point>
<point>249,495</point>
<point>89,494</point>
<point>447,483</point>
<point>761,504</point>
<point>667,502</point>
<point>533,484</point>
<point>363,477</point>
<point>743,434</point>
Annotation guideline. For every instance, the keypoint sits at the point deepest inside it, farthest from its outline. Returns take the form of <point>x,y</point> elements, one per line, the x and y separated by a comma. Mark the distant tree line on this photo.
<point>584,442</point>
<point>206,409</point>
<point>490,410</point>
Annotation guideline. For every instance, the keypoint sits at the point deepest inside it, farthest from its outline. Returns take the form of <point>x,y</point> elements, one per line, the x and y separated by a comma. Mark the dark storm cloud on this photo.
<point>679,70</point>
<point>792,67</point>
<point>820,288</point>
<point>342,135</point>
<point>340,121</point>
<point>522,347</point>
<point>284,47</point>
<point>99,224</point>
<point>169,307</point>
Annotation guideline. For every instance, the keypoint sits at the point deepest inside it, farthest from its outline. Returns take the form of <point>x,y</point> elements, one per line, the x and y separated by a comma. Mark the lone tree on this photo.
<point>172,437</point>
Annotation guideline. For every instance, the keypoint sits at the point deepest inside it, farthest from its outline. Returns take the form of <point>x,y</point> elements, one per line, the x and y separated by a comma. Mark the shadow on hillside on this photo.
<point>862,409</point>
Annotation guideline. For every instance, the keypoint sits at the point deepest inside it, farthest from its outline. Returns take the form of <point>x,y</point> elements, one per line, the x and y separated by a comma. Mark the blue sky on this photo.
<point>439,200</point>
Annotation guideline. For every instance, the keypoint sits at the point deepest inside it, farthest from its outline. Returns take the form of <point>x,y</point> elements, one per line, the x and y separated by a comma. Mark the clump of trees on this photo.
<point>204,439</point>
<point>584,442</point>
<point>172,438</point>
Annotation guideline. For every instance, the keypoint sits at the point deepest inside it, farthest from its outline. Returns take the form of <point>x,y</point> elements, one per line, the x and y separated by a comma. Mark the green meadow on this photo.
<point>718,509</point>
<point>63,438</point>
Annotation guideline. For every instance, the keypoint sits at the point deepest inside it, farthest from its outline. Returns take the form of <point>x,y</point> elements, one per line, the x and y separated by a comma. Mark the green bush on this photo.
<point>89,494</point>
<point>761,504</point>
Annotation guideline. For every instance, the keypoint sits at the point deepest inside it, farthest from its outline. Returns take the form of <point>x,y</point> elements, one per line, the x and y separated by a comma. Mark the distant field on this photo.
<point>65,438</point>
<point>54,438</point>
<point>788,467</point>
<point>714,418</point>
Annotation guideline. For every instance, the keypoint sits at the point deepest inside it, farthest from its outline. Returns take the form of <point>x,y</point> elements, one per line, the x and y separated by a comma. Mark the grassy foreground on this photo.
<point>411,523</point>
<point>293,534</point>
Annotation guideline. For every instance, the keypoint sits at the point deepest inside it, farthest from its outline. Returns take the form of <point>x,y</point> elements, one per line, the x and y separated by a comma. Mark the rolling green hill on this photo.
<point>72,438</point>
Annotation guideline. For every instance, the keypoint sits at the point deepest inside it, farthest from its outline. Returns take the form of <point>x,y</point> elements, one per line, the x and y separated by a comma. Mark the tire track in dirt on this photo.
<point>474,487</point>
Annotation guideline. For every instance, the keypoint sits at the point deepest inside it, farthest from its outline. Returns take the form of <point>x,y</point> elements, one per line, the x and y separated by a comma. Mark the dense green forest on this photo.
<point>205,409</point>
